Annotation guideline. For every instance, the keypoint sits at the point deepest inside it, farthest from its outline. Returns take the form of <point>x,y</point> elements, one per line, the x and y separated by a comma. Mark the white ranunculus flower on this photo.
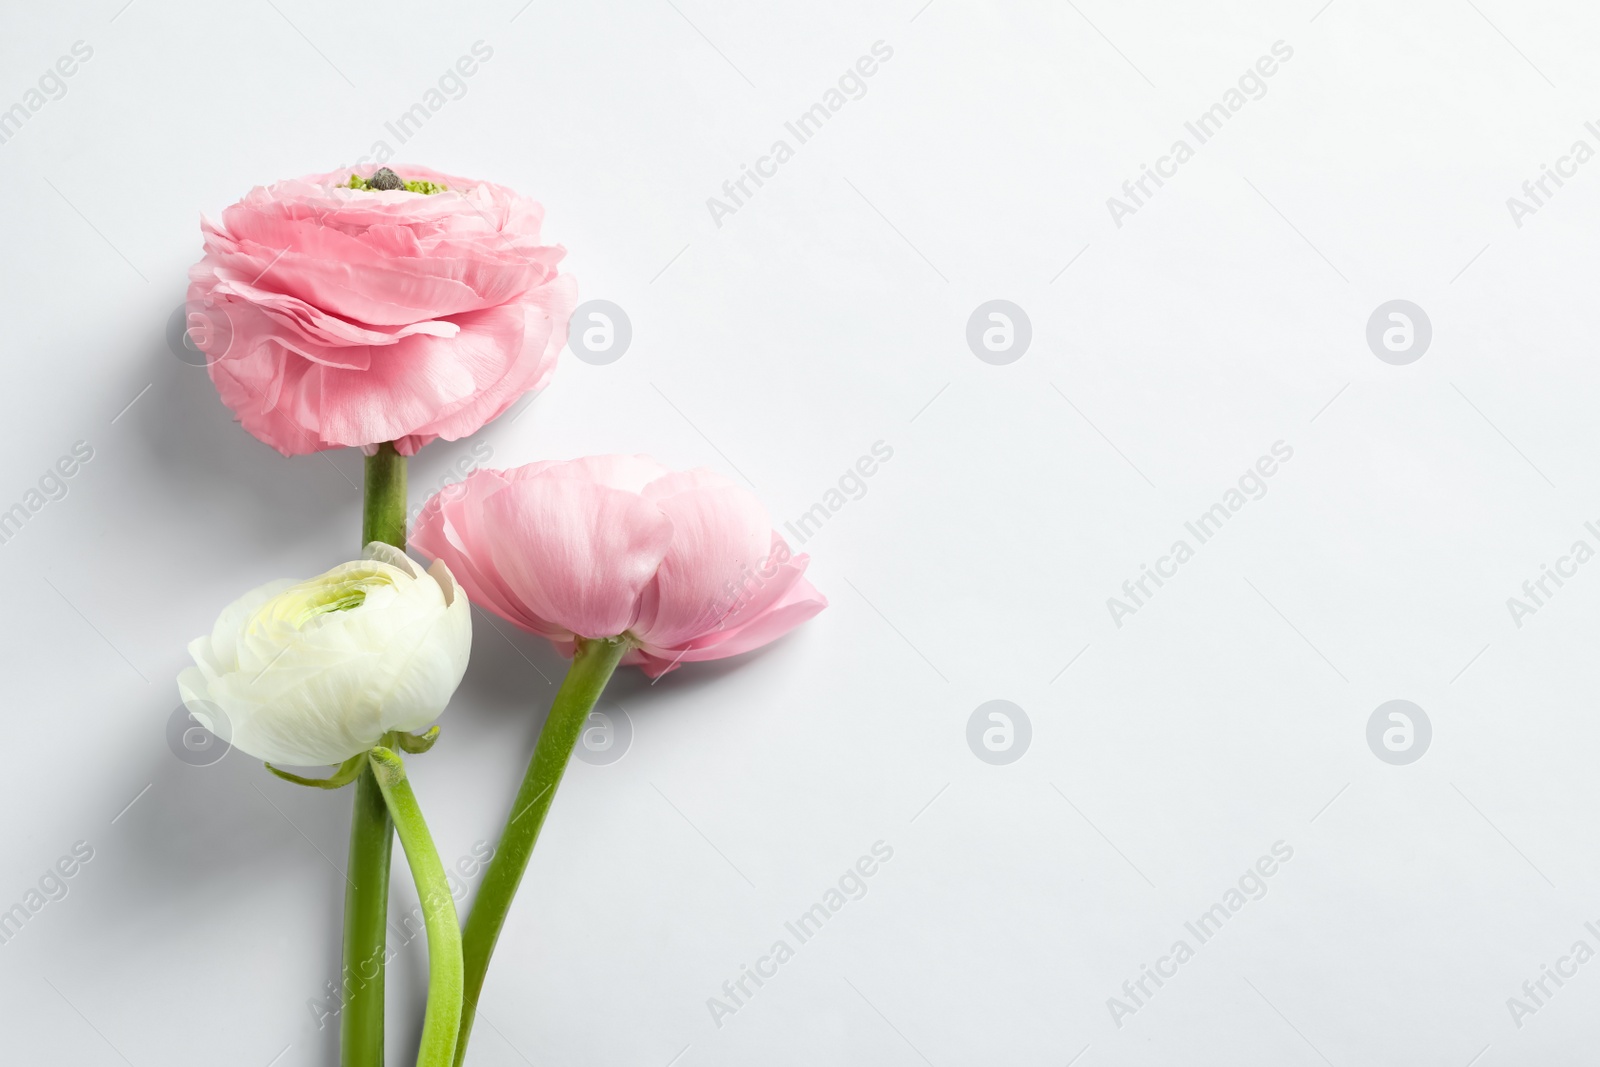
<point>314,672</point>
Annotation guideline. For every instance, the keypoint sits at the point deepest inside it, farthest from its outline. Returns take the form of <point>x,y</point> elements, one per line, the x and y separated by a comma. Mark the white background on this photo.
<point>828,313</point>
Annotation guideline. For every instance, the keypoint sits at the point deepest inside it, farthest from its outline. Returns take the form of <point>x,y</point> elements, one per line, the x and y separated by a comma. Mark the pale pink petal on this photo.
<point>802,602</point>
<point>577,553</point>
<point>720,536</point>
<point>683,564</point>
<point>451,528</point>
<point>362,316</point>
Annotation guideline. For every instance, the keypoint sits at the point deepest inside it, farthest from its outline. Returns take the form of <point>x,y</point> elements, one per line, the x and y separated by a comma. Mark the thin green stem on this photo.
<point>443,1013</point>
<point>366,897</point>
<point>383,506</point>
<point>366,915</point>
<point>593,662</point>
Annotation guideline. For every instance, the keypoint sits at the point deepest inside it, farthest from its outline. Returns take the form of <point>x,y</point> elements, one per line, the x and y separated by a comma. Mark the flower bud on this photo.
<point>684,564</point>
<point>314,672</point>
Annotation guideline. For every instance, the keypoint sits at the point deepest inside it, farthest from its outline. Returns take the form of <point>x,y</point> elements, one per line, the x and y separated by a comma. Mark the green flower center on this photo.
<point>343,589</point>
<point>385,179</point>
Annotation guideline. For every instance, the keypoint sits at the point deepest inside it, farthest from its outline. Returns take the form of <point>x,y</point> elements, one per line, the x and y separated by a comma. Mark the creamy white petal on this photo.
<point>313,672</point>
<point>387,553</point>
<point>225,634</point>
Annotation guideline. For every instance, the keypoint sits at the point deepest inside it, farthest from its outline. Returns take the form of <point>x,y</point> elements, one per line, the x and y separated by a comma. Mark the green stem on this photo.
<point>383,506</point>
<point>366,915</point>
<point>443,1013</point>
<point>366,897</point>
<point>593,662</point>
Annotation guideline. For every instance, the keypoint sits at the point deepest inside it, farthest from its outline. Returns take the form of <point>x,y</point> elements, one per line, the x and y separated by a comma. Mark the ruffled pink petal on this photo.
<point>366,316</point>
<point>250,383</point>
<point>721,536</point>
<point>544,335</point>
<point>607,545</point>
<point>630,474</point>
<point>576,553</point>
<point>408,384</point>
<point>451,528</point>
<point>802,602</point>
<point>384,276</point>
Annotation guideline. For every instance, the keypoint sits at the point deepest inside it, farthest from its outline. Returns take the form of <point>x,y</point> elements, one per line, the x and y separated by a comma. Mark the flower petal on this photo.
<point>575,553</point>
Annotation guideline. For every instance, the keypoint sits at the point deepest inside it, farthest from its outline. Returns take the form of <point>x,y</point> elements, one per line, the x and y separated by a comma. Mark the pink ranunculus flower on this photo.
<point>686,564</point>
<point>344,316</point>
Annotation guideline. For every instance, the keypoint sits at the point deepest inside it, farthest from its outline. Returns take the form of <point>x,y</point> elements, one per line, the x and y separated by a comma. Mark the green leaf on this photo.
<point>347,772</point>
